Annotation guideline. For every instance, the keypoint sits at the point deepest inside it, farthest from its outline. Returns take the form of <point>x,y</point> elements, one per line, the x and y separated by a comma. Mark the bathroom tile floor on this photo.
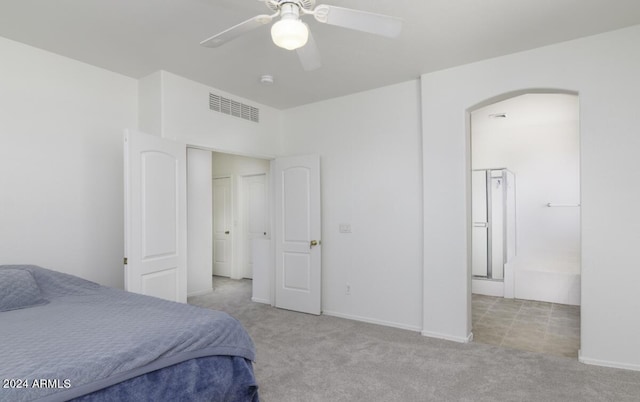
<point>527,325</point>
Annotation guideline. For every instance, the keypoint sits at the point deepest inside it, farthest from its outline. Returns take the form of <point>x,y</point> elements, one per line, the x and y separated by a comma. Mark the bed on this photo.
<point>64,338</point>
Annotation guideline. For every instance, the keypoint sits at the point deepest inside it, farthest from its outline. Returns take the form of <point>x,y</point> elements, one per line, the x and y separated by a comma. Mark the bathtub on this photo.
<point>550,282</point>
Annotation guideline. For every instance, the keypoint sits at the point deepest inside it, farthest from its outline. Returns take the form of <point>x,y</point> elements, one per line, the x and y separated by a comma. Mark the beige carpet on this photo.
<point>308,358</point>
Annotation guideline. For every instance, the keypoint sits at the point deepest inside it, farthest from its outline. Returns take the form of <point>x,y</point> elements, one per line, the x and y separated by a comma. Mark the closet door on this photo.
<point>255,217</point>
<point>222,225</point>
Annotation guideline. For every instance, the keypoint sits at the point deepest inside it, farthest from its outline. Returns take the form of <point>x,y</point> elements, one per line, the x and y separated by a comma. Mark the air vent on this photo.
<point>233,108</point>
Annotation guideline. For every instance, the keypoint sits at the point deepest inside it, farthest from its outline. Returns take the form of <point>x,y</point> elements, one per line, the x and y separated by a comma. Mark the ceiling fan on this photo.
<point>291,33</point>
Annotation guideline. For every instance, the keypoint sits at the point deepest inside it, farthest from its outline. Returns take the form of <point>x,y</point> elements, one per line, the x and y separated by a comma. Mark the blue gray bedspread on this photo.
<point>89,337</point>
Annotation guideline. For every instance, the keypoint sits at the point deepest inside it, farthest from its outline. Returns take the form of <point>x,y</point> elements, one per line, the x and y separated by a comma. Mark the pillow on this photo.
<point>18,290</point>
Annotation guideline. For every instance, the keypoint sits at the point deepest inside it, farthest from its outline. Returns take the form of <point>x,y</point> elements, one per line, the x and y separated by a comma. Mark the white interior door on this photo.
<point>297,222</point>
<point>255,217</point>
<point>222,225</point>
<point>155,216</point>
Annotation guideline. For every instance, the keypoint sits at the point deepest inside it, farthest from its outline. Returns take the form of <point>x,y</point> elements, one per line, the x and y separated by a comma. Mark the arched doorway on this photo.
<point>525,221</point>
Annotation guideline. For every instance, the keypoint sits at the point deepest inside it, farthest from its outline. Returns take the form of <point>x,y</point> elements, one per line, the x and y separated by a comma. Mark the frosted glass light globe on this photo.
<point>290,34</point>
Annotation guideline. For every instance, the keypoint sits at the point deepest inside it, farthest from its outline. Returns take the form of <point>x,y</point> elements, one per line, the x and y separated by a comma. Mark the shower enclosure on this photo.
<point>493,213</point>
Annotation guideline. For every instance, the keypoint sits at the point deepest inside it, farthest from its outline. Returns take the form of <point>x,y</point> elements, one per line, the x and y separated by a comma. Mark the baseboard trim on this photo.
<point>438,335</point>
<point>259,300</point>
<point>200,293</point>
<point>605,363</point>
<point>372,321</point>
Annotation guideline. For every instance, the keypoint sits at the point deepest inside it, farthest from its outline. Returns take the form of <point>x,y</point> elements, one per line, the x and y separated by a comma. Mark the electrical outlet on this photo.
<point>347,290</point>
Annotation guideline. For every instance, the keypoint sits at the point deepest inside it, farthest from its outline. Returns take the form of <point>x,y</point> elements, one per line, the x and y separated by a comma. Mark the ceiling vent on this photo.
<point>233,108</point>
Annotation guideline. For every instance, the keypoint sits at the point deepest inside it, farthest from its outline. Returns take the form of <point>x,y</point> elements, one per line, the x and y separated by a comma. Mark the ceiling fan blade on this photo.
<point>309,55</point>
<point>377,24</point>
<point>237,30</point>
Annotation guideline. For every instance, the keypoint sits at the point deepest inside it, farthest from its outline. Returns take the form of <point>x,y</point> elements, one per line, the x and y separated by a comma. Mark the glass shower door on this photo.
<point>480,228</point>
<point>493,222</point>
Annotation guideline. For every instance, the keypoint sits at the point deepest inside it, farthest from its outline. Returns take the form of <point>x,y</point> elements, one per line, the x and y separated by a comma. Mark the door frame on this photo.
<point>468,172</point>
<point>268,297</point>
<point>266,291</point>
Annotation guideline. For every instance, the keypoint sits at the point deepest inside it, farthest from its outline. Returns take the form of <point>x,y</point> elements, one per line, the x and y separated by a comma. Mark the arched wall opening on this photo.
<point>603,69</point>
<point>524,243</point>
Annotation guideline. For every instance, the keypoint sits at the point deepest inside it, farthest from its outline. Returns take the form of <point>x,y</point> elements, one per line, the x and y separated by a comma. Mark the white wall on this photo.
<point>61,163</point>
<point>369,147</point>
<point>236,165</point>
<point>603,69</point>
<point>186,117</point>
<point>150,104</point>
<point>538,141</point>
<point>199,229</point>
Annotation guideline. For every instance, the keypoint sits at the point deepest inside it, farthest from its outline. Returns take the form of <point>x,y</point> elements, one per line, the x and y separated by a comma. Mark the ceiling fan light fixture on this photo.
<point>290,33</point>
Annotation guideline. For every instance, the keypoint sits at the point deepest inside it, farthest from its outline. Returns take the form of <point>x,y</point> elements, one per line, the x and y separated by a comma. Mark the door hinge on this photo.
<point>125,260</point>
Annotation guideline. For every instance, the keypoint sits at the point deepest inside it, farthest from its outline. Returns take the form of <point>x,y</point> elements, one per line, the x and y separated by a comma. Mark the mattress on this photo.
<point>80,338</point>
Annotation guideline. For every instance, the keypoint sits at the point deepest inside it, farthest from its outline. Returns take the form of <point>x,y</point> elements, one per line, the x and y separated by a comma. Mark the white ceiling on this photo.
<point>139,37</point>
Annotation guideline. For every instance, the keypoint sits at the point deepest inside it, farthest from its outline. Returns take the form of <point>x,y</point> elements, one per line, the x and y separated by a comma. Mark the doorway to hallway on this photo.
<point>240,212</point>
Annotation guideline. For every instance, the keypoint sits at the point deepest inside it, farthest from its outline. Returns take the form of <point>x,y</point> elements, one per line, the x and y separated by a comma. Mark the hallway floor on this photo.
<point>527,325</point>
